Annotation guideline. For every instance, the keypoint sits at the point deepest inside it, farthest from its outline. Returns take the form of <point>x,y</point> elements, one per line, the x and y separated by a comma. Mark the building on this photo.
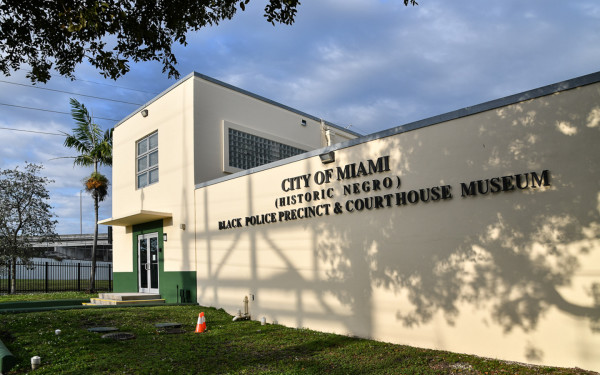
<point>77,247</point>
<point>476,231</point>
<point>198,130</point>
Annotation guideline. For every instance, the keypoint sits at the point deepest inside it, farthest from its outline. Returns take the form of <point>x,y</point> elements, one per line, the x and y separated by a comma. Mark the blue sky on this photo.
<point>371,64</point>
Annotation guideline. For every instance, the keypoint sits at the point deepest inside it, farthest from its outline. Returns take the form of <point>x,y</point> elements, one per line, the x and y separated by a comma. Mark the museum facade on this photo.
<point>476,231</point>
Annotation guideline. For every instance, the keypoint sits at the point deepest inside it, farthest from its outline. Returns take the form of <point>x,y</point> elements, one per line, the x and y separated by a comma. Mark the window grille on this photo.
<point>248,151</point>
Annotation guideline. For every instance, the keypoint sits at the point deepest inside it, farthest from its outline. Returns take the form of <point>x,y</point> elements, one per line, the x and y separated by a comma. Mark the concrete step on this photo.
<point>125,299</point>
<point>99,301</point>
<point>128,296</point>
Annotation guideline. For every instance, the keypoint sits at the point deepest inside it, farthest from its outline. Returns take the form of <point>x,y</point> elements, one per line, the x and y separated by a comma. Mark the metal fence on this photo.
<point>49,276</point>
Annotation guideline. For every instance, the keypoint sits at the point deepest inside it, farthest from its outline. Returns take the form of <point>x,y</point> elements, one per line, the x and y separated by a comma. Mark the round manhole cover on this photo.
<point>119,336</point>
<point>103,329</point>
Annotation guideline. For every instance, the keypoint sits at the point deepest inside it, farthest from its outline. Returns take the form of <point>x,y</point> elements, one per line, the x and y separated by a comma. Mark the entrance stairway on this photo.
<point>126,299</point>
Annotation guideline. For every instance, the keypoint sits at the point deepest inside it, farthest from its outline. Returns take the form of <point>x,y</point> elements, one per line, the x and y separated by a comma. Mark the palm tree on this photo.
<point>94,150</point>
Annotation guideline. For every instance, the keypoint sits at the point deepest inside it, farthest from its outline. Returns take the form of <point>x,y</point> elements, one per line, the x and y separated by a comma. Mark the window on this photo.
<point>248,150</point>
<point>147,160</point>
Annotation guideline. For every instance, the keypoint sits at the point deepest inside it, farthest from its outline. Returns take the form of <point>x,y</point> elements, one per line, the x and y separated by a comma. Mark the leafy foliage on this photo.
<point>60,34</point>
<point>94,150</point>
<point>97,185</point>
<point>87,138</point>
<point>24,213</point>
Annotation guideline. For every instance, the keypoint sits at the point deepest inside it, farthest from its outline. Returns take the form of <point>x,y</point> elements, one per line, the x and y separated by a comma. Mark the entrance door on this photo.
<point>148,262</point>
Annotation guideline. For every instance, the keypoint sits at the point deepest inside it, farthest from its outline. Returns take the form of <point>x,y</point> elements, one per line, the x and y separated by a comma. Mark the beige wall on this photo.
<point>172,116</point>
<point>513,275</point>
<point>189,118</point>
<point>216,104</point>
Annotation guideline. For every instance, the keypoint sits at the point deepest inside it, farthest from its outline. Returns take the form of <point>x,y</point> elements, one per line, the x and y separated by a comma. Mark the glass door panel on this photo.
<point>153,259</point>
<point>143,259</point>
<point>148,262</point>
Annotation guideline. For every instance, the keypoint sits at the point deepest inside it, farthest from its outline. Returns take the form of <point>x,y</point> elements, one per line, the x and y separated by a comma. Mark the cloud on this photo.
<point>369,64</point>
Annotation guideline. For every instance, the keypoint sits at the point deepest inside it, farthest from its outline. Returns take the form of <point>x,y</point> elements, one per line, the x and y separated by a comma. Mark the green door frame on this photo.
<point>170,283</point>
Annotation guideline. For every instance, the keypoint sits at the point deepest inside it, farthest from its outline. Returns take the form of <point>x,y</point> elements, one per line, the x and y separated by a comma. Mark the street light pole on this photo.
<point>80,214</point>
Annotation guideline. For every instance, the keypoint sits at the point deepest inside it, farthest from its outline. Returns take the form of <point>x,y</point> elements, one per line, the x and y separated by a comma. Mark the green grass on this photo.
<point>34,285</point>
<point>4,298</point>
<point>227,347</point>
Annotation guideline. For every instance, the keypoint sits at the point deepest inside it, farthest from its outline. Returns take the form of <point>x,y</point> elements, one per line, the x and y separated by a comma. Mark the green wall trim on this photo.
<point>169,283</point>
<point>125,282</point>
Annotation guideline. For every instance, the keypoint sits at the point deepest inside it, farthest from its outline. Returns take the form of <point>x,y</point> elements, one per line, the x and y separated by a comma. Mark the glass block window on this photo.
<point>249,151</point>
<point>147,160</point>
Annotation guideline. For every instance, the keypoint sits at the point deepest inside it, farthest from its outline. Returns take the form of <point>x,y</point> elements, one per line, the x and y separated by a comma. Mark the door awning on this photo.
<point>139,217</point>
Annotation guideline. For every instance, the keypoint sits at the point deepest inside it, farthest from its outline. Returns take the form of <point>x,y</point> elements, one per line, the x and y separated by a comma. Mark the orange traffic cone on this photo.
<point>201,325</point>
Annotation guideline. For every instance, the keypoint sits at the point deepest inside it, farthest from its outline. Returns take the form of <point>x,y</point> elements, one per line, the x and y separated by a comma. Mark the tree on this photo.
<point>94,150</point>
<point>25,216</point>
<point>61,34</point>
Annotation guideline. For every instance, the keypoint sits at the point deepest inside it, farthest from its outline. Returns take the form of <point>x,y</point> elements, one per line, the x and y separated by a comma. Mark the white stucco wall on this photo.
<point>172,116</point>
<point>189,118</point>
<point>216,104</point>
<point>513,275</point>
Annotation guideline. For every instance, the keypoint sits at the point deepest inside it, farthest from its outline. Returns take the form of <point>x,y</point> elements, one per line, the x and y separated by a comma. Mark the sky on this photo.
<point>367,64</point>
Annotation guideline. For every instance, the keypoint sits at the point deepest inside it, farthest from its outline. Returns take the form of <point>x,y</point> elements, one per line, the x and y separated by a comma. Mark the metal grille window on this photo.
<point>248,151</point>
<point>147,160</point>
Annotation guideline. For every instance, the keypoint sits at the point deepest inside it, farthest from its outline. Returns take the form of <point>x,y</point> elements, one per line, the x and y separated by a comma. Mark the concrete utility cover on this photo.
<point>103,329</point>
<point>119,336</point>
<point>168,325</point>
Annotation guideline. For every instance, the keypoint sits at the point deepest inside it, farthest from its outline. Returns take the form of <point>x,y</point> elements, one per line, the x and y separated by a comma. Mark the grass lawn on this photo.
<point>243,347</point>
<point>4,298</point>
